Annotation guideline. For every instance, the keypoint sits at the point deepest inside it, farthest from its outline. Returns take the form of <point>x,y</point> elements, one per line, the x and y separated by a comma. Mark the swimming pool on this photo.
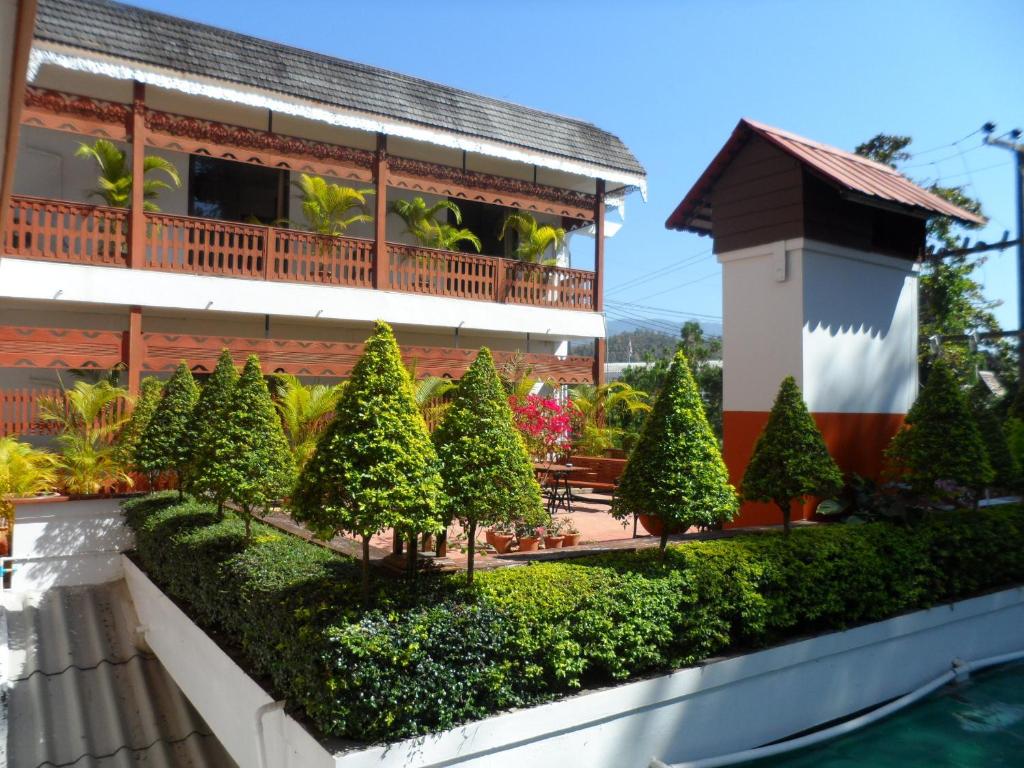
<point>977,724</point>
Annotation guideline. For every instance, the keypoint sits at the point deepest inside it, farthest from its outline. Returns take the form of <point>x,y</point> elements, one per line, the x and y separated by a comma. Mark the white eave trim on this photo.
<point>122,69</point>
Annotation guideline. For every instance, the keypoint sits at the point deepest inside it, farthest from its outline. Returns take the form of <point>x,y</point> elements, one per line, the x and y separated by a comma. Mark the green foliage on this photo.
<point>374,467</point>
<point>209,417</point>
<point>151,389</point>
<point>305,413</point>
<point>533,241</point>
<point>248,460</point>
<point>676,472</point>
<point>164,446</point>
<point>87,422</point>
<point>1005,467</point>
<point>422,222</point>
<point>423,661</point>
<point>598,408</point>
<point>488,477</point>
<point>327,207</point>
<point>790,459</point>
<point>115,179</point>
<point>940,440</point>
<point>24,471</point>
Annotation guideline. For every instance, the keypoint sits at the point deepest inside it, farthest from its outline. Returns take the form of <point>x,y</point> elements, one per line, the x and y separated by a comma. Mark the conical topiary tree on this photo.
<point>208,418</point>
<point>790,459</point>
<point>488,477</point>
<point>151,389</point>
<point>676,472</point>
<point>248,459</point>
<point>164,444</point>
<point>1005,468</point>
<point>940,439</point>
<point>374,467</point>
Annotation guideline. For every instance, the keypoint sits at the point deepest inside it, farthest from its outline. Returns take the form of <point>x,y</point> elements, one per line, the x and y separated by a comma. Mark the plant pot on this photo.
<point>502,542</point>
<point>553,542</point>
<point>570,539</point>
<point>653,525</point>
<point>529,543</point>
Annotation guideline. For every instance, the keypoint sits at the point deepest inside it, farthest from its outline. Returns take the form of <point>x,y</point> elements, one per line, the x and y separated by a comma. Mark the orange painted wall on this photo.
<point>856,441</point>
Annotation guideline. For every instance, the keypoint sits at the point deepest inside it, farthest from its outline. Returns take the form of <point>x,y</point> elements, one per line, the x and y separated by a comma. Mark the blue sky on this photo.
<point>672,79</point>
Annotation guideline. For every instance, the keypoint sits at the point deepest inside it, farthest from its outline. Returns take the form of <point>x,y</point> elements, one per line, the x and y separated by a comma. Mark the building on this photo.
<point>228,260</point>
<point>819,251</point>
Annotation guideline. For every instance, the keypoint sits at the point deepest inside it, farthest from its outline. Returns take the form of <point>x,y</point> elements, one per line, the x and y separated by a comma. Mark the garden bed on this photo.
<point>433,654</point>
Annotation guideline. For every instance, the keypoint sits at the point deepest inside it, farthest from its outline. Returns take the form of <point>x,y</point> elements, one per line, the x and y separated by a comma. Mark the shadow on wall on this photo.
<point>846,296</point>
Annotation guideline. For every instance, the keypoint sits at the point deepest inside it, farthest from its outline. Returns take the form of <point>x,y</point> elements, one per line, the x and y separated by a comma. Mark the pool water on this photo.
<point>978,724</point>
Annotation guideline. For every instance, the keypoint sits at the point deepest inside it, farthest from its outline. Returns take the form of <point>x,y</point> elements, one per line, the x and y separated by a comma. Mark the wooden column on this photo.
<point>381,267</point>
<point>600,345</point>
<point>137,225</point>
<point>133,350</point>
<point>22,39</point>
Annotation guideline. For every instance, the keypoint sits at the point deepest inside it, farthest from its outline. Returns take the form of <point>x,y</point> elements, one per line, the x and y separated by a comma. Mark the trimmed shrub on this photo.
<point>208,418</point>
<point>164,444</point>
<point>1005,468</point>
<point>428,658</point>
<point>374,467</point>
<point>151,389</point>
<point>488,477</point>
<point>249,460</point>
<point>676,472</point>
<point>940,440</point>
<point>790,459</point>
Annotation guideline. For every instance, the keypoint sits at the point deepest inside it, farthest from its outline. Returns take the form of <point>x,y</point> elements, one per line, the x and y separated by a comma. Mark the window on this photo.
<point>224,189</point>
<point>484,221</point>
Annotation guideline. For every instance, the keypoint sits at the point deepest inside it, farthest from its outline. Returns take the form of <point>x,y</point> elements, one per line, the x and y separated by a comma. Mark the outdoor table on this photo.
<point>560,493</point>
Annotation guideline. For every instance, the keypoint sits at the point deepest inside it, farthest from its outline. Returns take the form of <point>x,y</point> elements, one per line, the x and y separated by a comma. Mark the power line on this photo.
<point>656,274</point>
<point>681,285</point>
<point>959,153</point>
<point>945,146</point>
<point>665,310</point>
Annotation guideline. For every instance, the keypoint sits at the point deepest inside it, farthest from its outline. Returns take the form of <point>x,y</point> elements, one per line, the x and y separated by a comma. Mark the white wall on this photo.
<point>761,339</point>
<point>859,332</point>
<point>8,32</point>
<point>67,543</point>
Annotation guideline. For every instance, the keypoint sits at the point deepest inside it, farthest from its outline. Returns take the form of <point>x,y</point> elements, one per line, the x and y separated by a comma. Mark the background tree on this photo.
<point>952,302</point>
<point>940,440</point>
<point>88,419</point>
<point>488,477</point>
<point>676,472</point>
<point>790,459</point>
<point>249,461</point>
<point>305,413</point>
<point>115,179</point>
<point>164,446</point>
<point>151,389</point>
<point>208,419</point>
<point>374,467</point>
<point>424,223</point>
<point>1006,469</point>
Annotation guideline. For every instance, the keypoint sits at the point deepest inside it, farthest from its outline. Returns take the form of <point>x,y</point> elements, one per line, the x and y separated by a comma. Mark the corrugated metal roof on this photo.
<point>843,169</point>
<point>80,692</point>
<point>136,34</point>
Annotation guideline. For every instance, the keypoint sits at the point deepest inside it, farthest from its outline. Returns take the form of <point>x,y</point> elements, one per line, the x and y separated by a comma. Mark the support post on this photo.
<point>133,351</point>
<point>381,267</point>
<point>600,345</point>
<point>137,225</point>
<point>22,45</point>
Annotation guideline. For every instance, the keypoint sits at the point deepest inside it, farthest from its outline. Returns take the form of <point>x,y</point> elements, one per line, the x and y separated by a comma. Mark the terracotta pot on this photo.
<point>570,539</point>
<point>529,543</point>
<point>553,542</point>
<point>489,537</point>
<point>5,547</point>
<point>653,526</point>
<point>502,542</point>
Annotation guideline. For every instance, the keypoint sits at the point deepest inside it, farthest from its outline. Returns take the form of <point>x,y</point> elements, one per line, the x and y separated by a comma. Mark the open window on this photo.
<point>231,191</point>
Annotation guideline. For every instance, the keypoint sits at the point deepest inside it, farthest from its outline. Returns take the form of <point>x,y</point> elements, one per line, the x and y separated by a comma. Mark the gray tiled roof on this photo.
<point>80,692</point>
<point>188,47</point>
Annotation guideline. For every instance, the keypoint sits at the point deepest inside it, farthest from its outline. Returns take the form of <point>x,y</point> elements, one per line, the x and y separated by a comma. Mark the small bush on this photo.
<point>428,657</point>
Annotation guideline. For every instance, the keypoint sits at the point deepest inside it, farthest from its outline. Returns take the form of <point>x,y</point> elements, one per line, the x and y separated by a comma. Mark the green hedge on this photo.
<point>434,654</point>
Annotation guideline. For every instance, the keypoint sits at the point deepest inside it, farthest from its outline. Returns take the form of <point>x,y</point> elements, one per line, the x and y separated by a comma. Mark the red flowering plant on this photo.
<point>546,424</point>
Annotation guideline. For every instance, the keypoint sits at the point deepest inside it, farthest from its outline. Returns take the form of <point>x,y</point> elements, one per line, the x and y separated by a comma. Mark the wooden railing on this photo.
<point>20,412</point>
<point>72,232</point>
<point>86,234</point>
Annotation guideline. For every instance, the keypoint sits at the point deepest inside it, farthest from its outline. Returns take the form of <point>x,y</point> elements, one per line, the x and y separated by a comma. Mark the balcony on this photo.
<point>76,233</point>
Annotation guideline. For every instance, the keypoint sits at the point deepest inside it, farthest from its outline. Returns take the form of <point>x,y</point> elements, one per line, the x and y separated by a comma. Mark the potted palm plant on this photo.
<point>25,473</point>
<point>115,179</point>
<point>422,222</point>
<point>88,420</point>
<point>534,244</point>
